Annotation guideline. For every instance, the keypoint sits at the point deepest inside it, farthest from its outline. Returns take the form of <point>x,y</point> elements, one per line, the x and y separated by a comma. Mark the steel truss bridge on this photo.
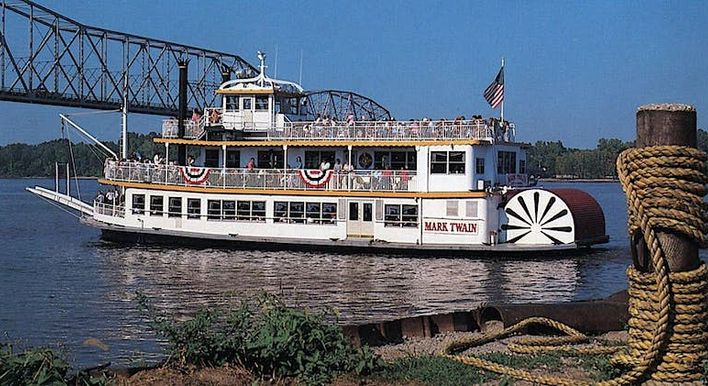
<point>48,58</point>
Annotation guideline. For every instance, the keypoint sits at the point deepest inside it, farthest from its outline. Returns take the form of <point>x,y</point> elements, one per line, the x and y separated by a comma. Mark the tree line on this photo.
<point>544,158</point>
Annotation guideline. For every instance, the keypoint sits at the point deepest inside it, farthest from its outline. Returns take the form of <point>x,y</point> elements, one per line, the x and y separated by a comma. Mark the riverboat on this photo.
<point>262,174</point>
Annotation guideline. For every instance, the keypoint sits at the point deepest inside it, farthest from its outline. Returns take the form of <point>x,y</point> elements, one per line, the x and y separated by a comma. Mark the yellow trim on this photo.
<point>240,91</point>
<point>283,192</point>
<point>323,143</point>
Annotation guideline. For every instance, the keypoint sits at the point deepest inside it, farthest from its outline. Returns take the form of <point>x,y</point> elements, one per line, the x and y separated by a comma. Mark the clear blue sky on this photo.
<point>576,71</point>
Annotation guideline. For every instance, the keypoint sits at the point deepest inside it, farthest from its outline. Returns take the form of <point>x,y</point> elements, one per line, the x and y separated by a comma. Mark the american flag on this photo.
<point>494,94</point>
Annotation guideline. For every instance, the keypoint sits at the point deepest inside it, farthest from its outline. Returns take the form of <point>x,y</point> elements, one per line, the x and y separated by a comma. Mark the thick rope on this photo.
<point>668,326</point>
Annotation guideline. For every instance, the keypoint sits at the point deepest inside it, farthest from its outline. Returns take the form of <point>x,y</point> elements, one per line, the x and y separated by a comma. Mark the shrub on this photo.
<point>39,366</point>
<point>266,337</point>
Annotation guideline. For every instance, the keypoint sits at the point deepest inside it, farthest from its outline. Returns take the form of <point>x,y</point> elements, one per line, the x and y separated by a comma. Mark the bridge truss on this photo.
<point>48,58</point>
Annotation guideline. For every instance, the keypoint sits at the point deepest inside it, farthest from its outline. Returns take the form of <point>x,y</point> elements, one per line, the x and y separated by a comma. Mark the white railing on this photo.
<point>292,179</point>
<point>441,130</point>
<point>192,129</point>
<point>109,209</point>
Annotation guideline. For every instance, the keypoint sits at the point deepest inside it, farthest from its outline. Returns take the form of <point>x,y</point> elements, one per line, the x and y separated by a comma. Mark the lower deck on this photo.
<point>458,222</point>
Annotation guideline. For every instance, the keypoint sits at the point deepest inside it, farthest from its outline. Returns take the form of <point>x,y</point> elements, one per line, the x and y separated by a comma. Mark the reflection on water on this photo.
<point>60,283</point>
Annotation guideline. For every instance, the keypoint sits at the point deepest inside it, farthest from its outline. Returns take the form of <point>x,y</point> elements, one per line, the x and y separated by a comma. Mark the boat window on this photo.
<point>271,159</point>
<point>280,211</point>
<point>506,162</point>
<point>457,162</point>
<point>453,208</point>
<point>211,158</point>
<point>156,205</point>
<point>396,160</point>
<point>471,209</point>
<point>138,203</point>
<point>229,210</point>
<point>401,215</point>
<point>246,103</point>
<point>213,210</point>
<point>194,208</point>
<point>479,166</point>
<point>261,103</point>
<point>174,207</point>
<point>329,212</point>
<point>409,216</point>
<point>313,212</point>
<point>438,162</point>
<point>353,211</point>
<point>244,210</point>
<point>232,103</point>
<point>522,166</point>
<point>297,211</point>
<point>233,158</point>
<point>314,158</point>
<point>258,211</point>
<point>368,211</point>
<point>392,215</point>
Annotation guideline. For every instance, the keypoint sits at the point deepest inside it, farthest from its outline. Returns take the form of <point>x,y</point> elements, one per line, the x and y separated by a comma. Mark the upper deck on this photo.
<point>490,131</point>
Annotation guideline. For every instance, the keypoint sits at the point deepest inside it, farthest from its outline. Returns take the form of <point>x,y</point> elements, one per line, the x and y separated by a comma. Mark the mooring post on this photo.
<point>667,124</point>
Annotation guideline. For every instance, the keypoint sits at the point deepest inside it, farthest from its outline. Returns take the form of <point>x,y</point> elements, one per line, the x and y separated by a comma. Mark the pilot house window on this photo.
<point>506,162</point>
<point>261,103</point>
<point>232,103</point>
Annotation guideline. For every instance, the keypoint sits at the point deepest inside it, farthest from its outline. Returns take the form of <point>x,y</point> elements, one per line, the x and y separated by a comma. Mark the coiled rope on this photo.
<point>668,326</point>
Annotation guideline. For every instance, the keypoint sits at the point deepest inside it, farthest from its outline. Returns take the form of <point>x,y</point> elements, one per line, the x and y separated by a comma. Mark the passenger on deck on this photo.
<point>298,162</point>
<point>196,115</point>
<point>190,161</point>
<point>251,165</point>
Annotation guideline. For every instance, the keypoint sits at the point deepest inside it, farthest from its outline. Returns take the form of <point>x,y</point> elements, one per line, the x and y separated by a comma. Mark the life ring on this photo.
<point>365,160</point>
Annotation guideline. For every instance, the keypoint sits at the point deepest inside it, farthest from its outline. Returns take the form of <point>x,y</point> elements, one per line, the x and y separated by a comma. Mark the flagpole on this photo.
<point>502,102</point>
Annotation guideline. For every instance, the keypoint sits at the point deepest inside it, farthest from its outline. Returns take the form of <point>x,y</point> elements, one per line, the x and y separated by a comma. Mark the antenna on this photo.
<point>300,80</point>
<point>275,75</point>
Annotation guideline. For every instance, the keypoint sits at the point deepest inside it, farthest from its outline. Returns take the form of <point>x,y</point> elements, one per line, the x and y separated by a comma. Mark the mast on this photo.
<point>502,101</point>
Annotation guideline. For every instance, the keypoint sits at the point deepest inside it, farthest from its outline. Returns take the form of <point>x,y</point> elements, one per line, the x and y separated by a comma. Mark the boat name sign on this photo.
<point>451,227</point>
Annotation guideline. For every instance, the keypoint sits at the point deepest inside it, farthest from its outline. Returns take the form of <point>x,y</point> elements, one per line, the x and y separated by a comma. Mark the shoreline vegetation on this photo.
<point>262,341</point>
<point>547,160</point>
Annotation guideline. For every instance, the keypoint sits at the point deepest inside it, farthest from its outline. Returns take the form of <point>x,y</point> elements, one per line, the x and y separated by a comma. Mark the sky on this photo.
<point>575,71</point>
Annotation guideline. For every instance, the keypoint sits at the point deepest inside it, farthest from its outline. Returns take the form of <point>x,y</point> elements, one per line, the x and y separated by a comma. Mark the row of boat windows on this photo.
<point>441,162</point>
<point>283,211</point>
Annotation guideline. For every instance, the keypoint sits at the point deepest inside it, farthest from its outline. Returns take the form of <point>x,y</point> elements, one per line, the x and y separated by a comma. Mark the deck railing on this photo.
<point>291,179</point>
<point>348,131</point>
<point>109,209</point>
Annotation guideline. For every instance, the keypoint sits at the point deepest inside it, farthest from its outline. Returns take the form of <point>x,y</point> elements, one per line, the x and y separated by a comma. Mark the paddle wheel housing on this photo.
<point>552,216</point>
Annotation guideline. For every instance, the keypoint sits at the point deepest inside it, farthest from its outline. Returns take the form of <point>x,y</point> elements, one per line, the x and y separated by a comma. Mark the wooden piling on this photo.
<point>667,124</point>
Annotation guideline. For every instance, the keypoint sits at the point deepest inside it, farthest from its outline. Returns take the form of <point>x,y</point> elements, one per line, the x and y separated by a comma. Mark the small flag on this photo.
<point>494,94</point>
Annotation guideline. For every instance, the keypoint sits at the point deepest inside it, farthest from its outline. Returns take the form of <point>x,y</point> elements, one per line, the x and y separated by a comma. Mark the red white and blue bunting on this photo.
<point>194,176</point>
<point>315,178</point>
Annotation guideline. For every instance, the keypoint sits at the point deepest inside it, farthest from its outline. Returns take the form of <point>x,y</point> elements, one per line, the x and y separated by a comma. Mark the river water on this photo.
<point>60,284</point>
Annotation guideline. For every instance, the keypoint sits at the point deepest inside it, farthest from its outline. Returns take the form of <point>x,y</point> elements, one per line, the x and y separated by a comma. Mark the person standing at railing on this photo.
<point>196,115</point>
<point>298,162</point>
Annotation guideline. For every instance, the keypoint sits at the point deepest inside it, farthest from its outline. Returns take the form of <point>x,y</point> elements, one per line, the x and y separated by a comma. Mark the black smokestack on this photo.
<point>225,74</point>
<point>182,149</point>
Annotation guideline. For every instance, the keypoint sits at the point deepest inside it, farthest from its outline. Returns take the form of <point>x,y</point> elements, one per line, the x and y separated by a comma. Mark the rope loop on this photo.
<point>668,325</point>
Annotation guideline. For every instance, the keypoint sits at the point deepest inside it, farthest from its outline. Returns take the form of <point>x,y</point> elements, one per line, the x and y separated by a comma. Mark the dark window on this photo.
<point>231,103</point>
<point>247,103</point>
<point>409,216</point>
<point>396,160</point>
<point>456,162</point>
<point>314,158</point>
<point>156,205</point>
<point>506,162</point>
<point>233,158</point>
<point>280,211</point>
<point>138,203</point>
<point>213,210</point>
<point>522,166</point>
<point>297,211</point>
<point>244,210</point>
<point>270,159</point>
<point>313,212</point>
<point>392,215</point>
<point>229,210</point>
<point>438,162</point>
<point>174,207</point>
<point>353,211</point>
<point>261,103</point>
<point>194,208</point>
<point>211,158</point>
<point>368,209</point>
<point>329,212</point>
<point>258,211</point>
<point>480,166</point>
